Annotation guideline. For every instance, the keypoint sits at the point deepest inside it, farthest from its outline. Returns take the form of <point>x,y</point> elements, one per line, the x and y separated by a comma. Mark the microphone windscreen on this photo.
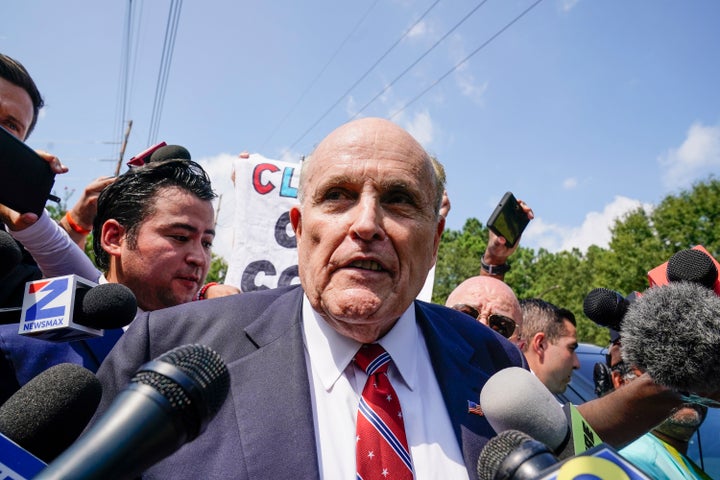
<point>673,332</point>
<point>515,399</point>
<point>692,265</point>
<point>108,305</point>
<point>10,254</point>
<point>169,152</point>
<point>605,307</point>
<point>497,450</point>
<point>207,373</point>
<point>513,455</point>
<point>50,411</point>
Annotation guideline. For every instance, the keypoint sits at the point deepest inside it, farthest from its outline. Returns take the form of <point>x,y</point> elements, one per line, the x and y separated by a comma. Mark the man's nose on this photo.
<point>367,221</point>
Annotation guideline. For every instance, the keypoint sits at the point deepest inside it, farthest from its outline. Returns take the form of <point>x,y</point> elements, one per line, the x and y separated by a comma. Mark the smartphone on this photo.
<point>26,179</point>
<point>508,220</point>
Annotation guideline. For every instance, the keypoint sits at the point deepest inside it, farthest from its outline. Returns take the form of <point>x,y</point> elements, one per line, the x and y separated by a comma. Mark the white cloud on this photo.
<point>595,229</point>
<point>470,88</point>
<point>219,168</point>
<point>419,30</point>
<point>421,127</point>
<point>698,155</point>
<point>567,5</point>
<point>468,85</point>
<point>570,183</point>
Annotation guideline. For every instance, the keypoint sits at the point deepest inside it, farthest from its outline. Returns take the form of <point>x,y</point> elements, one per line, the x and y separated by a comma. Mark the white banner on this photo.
<point>264,253</point>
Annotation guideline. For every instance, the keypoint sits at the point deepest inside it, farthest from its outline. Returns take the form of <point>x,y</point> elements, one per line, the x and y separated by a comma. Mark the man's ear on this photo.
<point>539,344</point>
<point>296,220</point>
<point>112,237</point>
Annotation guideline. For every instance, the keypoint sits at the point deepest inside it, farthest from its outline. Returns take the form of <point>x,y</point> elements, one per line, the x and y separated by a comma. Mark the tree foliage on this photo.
<point>640,241</point>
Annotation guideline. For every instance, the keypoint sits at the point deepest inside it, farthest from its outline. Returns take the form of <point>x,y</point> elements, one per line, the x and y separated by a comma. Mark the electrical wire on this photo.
<point>483,45</point>
<point>364,75</point>
<point>409,67</point>
<point>322,70</point>
<point>164,72</point>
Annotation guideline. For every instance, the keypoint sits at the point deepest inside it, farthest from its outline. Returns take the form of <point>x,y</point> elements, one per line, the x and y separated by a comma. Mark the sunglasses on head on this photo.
<point>505,326</point>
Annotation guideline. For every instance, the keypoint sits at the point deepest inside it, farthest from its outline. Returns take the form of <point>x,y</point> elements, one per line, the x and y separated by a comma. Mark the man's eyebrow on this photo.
<point>191,228</point>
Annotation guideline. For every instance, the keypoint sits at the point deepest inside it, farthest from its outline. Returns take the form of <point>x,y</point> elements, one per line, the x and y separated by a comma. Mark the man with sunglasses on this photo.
<point>549,342</point>
<point>492,302</point>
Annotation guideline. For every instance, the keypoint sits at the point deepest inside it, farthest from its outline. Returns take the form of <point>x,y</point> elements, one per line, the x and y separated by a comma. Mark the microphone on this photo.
<point>692,265</point>
<point>143,157</point>
<point>168,152</point>
<point>50,411</point>
<point>71,308</point>
<point>673,333</point>
<point>606,307</point>
<point>533,410</point>
<point>10,254</point>
<point>513,454</point>
<point>168,403</point>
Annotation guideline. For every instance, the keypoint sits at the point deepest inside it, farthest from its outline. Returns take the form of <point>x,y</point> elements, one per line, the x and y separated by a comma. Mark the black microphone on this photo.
<point>605,307</point>
<point>50,411</point>
<point>514,455</point>
<point>692,265</point>
<point>673,332</point>
<point>105,306</point>
<point>168,403</point>
<point>168,152</point>
<point>70,308</point>
<point>10,254</point>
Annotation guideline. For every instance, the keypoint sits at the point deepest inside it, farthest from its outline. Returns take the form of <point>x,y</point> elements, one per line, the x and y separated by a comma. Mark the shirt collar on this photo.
<point>330,352</point>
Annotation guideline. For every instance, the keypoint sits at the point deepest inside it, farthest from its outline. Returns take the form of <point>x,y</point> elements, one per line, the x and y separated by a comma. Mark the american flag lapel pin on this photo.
<point>475,408</point>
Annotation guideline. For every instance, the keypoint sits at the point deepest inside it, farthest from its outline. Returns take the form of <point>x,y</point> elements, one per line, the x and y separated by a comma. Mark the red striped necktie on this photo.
<point>382,449</point>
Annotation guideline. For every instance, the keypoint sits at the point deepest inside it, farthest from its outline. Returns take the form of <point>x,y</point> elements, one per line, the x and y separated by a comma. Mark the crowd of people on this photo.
<point>371,212</point>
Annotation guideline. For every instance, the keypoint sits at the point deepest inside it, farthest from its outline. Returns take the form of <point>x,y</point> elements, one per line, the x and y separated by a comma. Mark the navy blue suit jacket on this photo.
<point>22,358</point>
<point>265,427</point>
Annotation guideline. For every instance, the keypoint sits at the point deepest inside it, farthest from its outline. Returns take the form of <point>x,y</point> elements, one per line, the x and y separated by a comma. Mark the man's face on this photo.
<point>16,109</point>
<point>486,297</point>
<point>367,231</point>
<point>169,259</point>
<point>560,360</point>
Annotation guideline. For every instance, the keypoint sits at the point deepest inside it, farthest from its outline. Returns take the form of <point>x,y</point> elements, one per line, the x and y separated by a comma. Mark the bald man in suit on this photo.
<point>368,232</point>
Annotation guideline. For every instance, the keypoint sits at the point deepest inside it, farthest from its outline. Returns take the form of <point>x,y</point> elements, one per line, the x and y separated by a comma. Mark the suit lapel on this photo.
<point>461,371</point>
<point>272,395</point>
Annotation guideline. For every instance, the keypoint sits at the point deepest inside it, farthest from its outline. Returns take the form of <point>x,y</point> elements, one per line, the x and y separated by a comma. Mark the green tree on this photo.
<point>640,240</point>
<point>458,257</point>
<point>218,269</point>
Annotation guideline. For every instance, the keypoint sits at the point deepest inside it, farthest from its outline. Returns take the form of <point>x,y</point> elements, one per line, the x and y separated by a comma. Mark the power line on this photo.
<point>362,77</point>
<point>322,70</point>
<point>164,72</point>
<point>483,45</point>
<point>402,74</point>
<point>123,81</point>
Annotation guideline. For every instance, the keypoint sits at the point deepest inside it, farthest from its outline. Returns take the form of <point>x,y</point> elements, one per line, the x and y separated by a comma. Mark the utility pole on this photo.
<point>122,148</point>
<point>217,212</point>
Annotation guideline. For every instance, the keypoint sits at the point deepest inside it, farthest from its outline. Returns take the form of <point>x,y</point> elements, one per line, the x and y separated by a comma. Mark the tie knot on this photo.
<point>372,358</point>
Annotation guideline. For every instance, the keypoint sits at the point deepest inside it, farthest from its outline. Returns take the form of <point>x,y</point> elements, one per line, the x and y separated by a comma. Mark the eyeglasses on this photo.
<point>505,326</point>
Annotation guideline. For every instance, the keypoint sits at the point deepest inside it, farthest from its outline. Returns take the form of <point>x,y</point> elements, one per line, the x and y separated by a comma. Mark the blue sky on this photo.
<point>582,108</point>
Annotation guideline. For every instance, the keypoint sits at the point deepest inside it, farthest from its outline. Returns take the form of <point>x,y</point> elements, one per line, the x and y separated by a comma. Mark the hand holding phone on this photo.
<point>26,179</point>
<point>508,220</point>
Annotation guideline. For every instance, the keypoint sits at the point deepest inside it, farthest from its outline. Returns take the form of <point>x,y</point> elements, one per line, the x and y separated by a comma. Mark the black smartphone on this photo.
<point>25,178</point>
<point>508,220</point>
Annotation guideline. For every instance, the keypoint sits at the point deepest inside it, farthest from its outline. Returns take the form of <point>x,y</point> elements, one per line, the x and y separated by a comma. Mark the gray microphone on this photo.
<point>673,333</point>
<point>168,403</point>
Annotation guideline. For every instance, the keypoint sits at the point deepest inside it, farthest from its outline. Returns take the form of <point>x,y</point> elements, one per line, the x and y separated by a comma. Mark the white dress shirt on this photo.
<point>337,384</point>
